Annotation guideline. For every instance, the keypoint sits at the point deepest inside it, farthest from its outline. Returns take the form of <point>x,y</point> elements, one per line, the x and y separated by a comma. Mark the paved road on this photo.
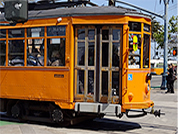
<point>157,80</point>
<point>166,124</point>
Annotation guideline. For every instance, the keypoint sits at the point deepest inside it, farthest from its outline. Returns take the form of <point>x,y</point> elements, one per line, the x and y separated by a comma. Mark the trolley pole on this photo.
<point>164,81</point>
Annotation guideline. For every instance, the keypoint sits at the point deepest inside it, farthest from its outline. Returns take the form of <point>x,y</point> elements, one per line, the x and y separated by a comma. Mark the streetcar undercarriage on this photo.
<point>39,111</point>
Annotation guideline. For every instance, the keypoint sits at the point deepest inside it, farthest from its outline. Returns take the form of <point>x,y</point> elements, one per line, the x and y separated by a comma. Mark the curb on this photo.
<point>155,86</point>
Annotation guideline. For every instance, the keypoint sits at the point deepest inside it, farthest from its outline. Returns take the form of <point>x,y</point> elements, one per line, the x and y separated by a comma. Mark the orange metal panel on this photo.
<point>137,95</point>
<point>140,19</point>
<point>142,42</point>
<point>40,22</point>
<point>138,105</point>
<point>35,84</point>
<point>70,59</point>
<point>99,20</point>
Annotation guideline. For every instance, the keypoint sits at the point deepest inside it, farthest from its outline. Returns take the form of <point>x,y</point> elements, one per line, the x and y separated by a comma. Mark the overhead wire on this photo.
<point>170,8</point>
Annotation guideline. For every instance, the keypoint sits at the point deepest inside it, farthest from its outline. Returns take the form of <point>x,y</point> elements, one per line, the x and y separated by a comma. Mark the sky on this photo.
<point>151,5</point>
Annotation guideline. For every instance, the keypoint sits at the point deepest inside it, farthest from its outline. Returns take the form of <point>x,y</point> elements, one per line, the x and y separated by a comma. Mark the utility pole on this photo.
<point>164,81</point>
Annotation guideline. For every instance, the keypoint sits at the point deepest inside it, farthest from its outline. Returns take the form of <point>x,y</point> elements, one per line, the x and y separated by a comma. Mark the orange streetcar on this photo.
<point>77,62</point>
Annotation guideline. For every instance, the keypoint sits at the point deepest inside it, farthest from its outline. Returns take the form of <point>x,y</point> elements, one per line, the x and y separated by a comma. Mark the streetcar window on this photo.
<point>134,50</point>
<point>91,34</point>
<point>2,33</point>
<point>56,31</point>
<point>2,53</point>
<point>91,82</point>
<point>116,34</point>
<point>16,33</point>
<point>135,26</point>
<point>81,53</point>
<point>56,52</point>
<point>35,52</point>
<point>81,34</point>
<point>116,54</point>
<point>80,81</point>
<point>105,82</point>
<point>115,83</point>
<point>115,47</point>
<point>152,65</point>
<point>146,51</point>
<point>105,34</point>
<point>105,54</point>
<point>16,52</point>
<point>146,28</point>
<point>35,32</point>
<point>91,51</point>
<point>159,65</point>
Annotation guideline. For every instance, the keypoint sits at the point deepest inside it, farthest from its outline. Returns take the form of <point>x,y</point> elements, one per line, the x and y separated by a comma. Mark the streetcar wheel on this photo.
<point>57,115</point>
<point>16,111</point>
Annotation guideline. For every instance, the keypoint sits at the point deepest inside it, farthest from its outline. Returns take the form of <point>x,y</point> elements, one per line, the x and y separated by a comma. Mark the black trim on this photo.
<point>34,69</point>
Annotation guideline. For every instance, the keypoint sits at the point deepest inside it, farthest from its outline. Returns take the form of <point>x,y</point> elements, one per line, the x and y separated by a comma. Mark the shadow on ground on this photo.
<point>94,125</point>
<point>106,125</point>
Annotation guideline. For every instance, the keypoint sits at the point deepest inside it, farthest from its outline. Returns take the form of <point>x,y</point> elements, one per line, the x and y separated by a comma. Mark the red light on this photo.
<point>174,52</point>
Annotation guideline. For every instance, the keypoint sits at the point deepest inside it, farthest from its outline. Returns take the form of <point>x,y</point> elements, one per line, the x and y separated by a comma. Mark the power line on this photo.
<point>170,8</point>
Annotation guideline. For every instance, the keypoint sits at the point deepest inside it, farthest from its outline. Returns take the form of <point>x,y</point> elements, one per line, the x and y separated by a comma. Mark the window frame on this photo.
<point>26,38</point>
<point>142,32</point>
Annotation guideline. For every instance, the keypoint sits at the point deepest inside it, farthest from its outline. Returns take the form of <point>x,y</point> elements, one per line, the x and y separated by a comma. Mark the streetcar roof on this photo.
<point>82,11</point>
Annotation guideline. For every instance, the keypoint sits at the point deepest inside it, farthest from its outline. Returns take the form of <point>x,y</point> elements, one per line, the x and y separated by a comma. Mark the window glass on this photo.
<point>146,28</point>
<point>2,53</point>
<point>80,81</point>
<point>134,50</point>
<point>16,52</point>
<point>152,65</point>
<point>116,54</point>
<point>91,34</point>
<point>81,34</point>
<point>81,54</point>
<point>115,83</point>
<point>2,33</point>
<point>105,82</point>
<point>56,52</point>
<point>35,32</point>
<point>12,33</point>
<point>116,34</point>
<point>91,51</point>
<point>56,31</point>
<point>90,82</point>
<point>146,45</point>
<point>159,65</point>
<point>35,52</point>
<point>105,54</point>
<point>105,34</point>
<point>135,26</point>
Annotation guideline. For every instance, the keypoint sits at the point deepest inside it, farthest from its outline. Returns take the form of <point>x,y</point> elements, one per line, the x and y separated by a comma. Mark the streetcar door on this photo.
<point>97,52</point>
